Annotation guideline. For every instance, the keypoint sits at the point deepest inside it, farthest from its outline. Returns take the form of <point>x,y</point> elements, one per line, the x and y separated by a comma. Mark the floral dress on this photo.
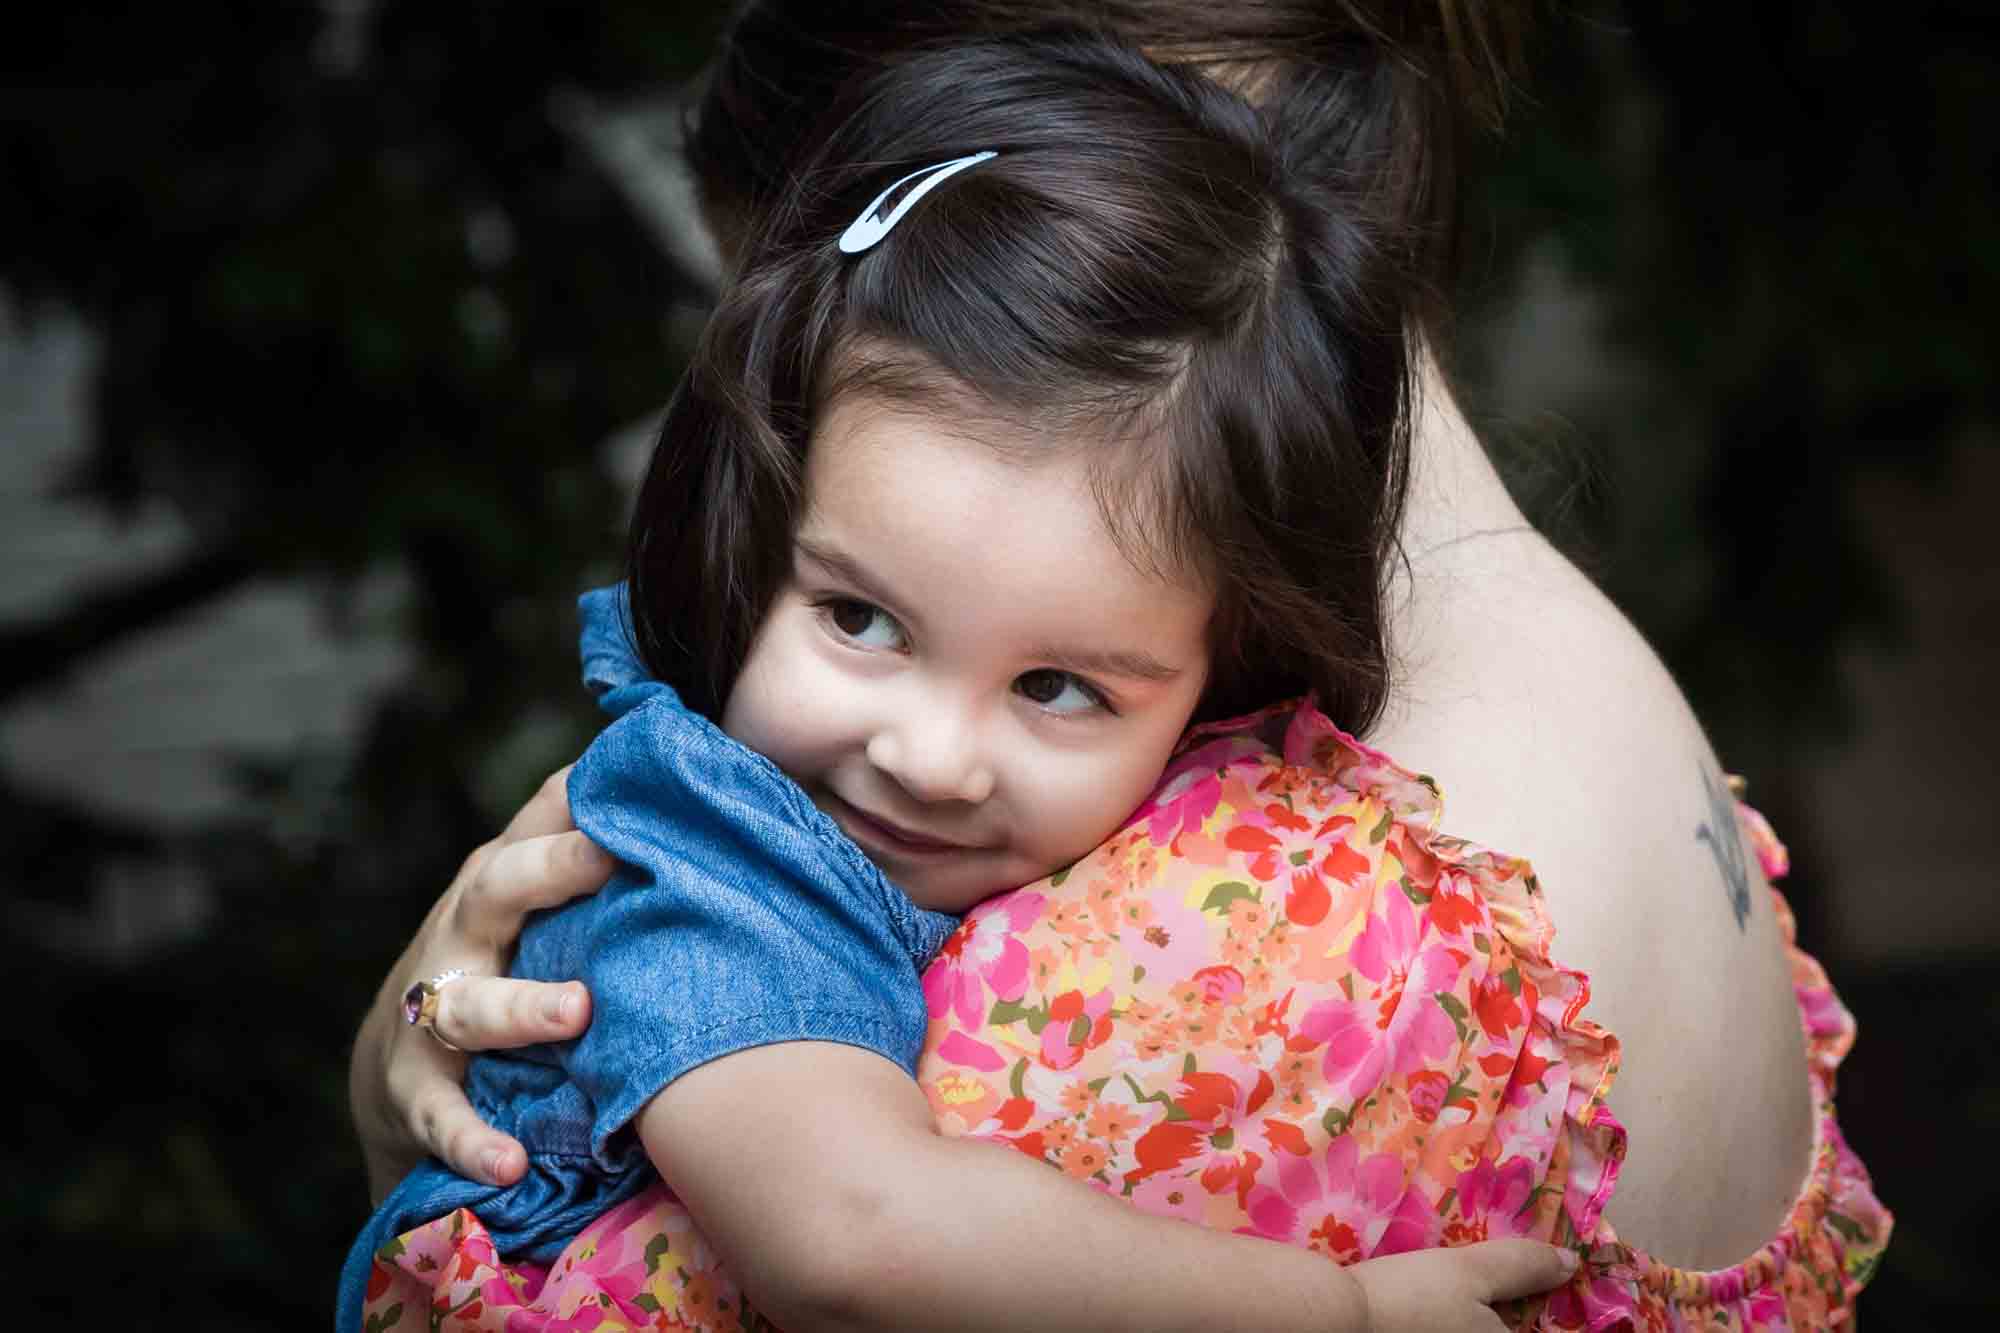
<point>1278,1001</point>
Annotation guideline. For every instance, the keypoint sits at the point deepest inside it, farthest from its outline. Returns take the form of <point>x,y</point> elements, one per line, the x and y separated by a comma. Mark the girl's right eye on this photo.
<point>865,624</point>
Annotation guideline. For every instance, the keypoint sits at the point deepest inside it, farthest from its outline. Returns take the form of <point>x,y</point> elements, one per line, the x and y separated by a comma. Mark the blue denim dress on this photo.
<point>740,915</point>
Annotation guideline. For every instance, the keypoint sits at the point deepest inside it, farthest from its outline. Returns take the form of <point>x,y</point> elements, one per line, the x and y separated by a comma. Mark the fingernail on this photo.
<point>490,1164</point>
<point>1568,1259</point>
<point>556,1007</point>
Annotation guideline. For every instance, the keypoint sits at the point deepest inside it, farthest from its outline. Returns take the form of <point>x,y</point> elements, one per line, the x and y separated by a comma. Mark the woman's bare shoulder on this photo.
<point>1556,733</point>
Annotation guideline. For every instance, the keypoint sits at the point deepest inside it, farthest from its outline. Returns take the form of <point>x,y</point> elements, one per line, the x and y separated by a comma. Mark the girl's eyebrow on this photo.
<point>1126,665</point>
<point>847,569</point>
<point>1086,662</point>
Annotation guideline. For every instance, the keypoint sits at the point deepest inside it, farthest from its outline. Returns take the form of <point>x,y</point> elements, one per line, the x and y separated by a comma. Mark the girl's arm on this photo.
<point>816,1171</point>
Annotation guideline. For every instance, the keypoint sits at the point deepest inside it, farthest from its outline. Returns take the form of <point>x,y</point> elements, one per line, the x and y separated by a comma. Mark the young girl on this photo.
<point>981,488</point>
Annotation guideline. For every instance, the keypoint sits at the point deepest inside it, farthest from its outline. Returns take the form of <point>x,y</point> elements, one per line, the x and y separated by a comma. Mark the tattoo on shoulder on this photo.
<point>1725,843</point>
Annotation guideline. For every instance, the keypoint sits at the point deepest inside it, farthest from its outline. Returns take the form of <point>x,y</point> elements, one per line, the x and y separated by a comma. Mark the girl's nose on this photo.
<point>937,758</point>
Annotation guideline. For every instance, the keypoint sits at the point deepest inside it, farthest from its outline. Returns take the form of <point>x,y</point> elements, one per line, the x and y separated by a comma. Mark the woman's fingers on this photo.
<point>547,811</point>
<point>515,878</point>
<point>1508,1269</point>
<point>446,1124</point>
<point>478,1013</point>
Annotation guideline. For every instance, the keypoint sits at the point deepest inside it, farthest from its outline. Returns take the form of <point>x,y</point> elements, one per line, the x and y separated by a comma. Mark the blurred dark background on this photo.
<point>328,335</point>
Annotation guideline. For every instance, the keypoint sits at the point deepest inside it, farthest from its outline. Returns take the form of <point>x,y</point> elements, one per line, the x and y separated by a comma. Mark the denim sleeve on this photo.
<point>740,916</point>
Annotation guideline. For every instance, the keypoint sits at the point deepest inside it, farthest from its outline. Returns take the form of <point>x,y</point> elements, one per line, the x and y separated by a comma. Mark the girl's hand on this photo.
<point>405,1087</point>
<point>1456,1289</point>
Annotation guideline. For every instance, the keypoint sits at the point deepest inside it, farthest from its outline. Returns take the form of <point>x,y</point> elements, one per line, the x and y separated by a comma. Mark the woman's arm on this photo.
<point>404,1088</point>
<point>816,1171</point>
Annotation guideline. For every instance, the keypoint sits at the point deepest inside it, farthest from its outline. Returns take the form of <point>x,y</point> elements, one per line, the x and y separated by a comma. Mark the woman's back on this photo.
<point>1557,735</point>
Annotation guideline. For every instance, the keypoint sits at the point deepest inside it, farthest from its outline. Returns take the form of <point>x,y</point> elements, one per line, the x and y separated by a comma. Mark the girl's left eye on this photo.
<point>1058,692</point>
<point>864,623</point>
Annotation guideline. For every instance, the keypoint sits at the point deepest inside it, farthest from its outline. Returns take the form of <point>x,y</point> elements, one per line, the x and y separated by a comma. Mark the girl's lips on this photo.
<point>892,836</point>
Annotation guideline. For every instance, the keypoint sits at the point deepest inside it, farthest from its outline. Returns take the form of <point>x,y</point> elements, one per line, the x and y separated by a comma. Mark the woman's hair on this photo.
<point>1151,268</point>
<point>1398,83</point>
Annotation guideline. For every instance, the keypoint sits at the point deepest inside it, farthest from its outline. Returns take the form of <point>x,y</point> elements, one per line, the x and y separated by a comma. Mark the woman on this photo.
<point>1555,731</point>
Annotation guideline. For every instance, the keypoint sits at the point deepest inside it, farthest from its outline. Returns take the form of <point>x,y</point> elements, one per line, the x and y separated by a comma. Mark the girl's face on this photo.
<point>964,671</point>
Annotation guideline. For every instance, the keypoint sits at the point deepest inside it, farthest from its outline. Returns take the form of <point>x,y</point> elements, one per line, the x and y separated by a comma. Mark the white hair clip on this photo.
<point>872,226</point>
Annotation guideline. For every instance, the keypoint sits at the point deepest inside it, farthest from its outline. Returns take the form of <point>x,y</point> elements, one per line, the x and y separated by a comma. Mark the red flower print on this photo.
<point>1219,985</point>
<point>1166,1146</point>
<point>1285,1136</point>
<point>1308,902</point>
<point>1261,848</point>
<point>1452,912</point>
<point>1427,1091</point>
<point>1206,1096</point>
<point>1494,1002</point>
<point>1343,865</point>
<point>1283,817</point>
<point>1336,1239</point>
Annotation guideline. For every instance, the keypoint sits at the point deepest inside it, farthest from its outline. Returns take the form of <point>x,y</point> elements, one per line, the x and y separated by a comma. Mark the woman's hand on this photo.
<point>1456,1289</point>
<point>403,1086</point>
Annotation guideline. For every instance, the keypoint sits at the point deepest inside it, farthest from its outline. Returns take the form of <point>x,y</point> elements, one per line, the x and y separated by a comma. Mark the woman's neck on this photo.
<point>1462,538</point>
<point>1455,495</point>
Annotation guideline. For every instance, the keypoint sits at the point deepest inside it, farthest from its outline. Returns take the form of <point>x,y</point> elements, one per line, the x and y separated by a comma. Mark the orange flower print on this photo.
<point>1297,1100</point>
<point>1189,994</point>
<point>1067,918</point>
<point>1198,1028</point>
<point>1249,916</point>
<point>1057,1135</point>
<point>1077,1097</point>
<point>1156,1041</point>
<point>1104,898</point>
<point>1135,913</point>
<point>1239,1031</point>
<point>1111,1122</point>
<point>1083,1159</point>
<point>1258,976</point>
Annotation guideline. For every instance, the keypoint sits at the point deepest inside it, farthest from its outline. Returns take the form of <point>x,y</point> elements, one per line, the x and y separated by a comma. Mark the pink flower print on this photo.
<point>1076,1024</point>
<point>1345,1202</point>
<point>1492,1202</point>
<point>985,951</point>
<point>1414,1226</point>
<point>1187,794</point>
<point>1356,1050</point>
<point>1174,941</point>
<point>1405,1028</point>
<point>1590,1300</point>
<point>1170,1196</point>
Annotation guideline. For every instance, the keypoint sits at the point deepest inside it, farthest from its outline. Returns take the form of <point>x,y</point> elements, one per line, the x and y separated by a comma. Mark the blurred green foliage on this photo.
<point>363,303</point>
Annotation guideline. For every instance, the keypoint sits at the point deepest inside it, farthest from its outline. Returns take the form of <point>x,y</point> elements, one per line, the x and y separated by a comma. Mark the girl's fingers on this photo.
<point>1512,1268</point>
<point>491,1013</point>
<point>516,878</point>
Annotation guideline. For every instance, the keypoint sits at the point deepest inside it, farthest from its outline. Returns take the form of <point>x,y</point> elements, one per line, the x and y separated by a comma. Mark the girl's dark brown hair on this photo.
<point>1151,267</point>
<point>1399,82</point>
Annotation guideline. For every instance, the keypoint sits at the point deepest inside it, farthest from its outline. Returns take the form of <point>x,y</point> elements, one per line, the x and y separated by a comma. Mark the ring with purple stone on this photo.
<point>420,1005</point>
